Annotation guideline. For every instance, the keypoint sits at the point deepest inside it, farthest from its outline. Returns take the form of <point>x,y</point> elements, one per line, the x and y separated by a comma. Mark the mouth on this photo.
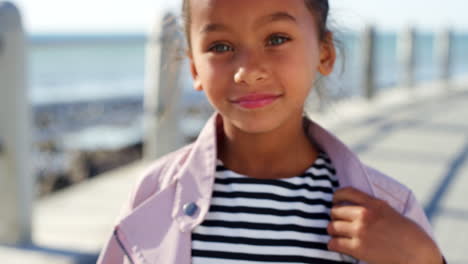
<point>253,101</point>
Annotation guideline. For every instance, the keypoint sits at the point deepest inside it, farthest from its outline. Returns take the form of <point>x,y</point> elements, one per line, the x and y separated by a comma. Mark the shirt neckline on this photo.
<point>321,156</point>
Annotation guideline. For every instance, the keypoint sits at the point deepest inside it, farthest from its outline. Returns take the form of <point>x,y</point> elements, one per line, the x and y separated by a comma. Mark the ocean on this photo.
<point>85,67</point>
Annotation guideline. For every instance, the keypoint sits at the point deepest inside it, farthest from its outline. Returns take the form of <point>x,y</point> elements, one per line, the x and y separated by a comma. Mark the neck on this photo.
<point>281,153</point>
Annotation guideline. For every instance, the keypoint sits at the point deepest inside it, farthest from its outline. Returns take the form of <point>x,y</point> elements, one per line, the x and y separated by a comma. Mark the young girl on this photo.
<point>263,183</point>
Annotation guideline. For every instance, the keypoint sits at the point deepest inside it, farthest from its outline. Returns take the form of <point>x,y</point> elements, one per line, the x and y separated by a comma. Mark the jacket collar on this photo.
<point>350,171</point>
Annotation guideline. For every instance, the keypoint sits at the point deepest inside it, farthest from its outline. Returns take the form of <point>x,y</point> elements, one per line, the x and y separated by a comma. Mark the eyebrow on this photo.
<point>278,16</point>
<point>275,17</point>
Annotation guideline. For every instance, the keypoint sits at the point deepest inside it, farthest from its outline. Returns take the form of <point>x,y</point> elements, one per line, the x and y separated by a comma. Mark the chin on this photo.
<point>257,124</point>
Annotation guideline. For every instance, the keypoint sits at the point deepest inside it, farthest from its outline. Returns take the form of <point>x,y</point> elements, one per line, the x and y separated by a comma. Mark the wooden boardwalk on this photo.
<point>419,138</point>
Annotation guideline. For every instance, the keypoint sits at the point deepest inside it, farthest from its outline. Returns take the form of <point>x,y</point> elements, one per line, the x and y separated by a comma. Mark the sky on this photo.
<point>137,16</point>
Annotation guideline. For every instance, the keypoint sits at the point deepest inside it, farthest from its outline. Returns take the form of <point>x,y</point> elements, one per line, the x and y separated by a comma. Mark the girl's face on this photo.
<point>257,60</point>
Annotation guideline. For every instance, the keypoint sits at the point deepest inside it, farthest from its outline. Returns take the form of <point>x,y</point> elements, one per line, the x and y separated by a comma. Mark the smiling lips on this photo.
<point>253,101</point>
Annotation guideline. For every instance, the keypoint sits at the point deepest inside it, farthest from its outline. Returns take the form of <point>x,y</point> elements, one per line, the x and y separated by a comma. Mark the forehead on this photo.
<point>243,12</point>
<point>247,3</point>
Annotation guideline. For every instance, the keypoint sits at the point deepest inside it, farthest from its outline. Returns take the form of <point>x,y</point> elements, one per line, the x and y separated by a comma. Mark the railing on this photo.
<point>406,57</point>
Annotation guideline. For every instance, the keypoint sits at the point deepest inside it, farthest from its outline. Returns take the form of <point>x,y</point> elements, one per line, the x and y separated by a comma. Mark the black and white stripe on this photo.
<point>253,221</point>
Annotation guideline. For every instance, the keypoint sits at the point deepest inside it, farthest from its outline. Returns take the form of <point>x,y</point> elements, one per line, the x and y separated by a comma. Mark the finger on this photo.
<point>351,195</point>
<point>340,229</point>
<point>343,245</point>
<point>346,212</point>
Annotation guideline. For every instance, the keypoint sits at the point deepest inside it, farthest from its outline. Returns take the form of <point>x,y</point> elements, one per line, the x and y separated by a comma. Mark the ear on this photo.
<point>197,85</point>
<point>327,55</point>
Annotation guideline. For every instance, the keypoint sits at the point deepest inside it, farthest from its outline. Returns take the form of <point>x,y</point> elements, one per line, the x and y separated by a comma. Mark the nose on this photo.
<point>251,69</point>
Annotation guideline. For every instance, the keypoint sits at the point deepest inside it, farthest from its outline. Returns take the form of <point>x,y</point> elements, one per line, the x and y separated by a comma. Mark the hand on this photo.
<point>370,230</point>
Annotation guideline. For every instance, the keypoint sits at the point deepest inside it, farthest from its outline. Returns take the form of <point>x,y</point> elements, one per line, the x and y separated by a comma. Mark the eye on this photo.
<point>276,40</point>
<point>220,48</point>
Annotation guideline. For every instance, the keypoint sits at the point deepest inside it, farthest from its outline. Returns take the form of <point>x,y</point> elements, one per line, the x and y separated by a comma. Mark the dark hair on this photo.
<point>319,8</point>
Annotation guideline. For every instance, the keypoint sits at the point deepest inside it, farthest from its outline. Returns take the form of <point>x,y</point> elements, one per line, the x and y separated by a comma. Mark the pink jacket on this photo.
<point>155,228</point>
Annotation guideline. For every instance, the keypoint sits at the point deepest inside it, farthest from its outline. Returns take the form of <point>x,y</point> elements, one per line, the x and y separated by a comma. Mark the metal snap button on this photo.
<point>190,208</point>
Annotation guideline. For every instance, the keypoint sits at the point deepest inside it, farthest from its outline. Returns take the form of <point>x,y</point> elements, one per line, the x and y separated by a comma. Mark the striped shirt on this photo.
<point>253,221</point>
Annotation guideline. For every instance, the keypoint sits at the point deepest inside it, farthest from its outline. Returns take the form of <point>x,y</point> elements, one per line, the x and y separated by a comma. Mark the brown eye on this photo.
<point>220,48</point>
<point>276,40</point>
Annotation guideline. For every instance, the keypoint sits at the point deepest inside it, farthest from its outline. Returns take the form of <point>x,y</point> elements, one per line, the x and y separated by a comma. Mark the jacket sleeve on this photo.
<point>415,212</point>
<point>400,197</point>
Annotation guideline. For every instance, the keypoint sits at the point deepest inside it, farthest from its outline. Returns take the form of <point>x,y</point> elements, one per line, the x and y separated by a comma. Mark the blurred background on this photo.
<point>87,65</point>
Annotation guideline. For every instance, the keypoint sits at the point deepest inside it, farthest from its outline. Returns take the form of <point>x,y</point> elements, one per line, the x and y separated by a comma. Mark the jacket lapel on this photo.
<point>158,230</point>
<point>195,182</point>
<point>349,169</point>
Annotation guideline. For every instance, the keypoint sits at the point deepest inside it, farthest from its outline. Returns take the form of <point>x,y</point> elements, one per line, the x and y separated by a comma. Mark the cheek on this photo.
<point>207,71</point>
<point>216,78</point>
<point>296,69</point>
